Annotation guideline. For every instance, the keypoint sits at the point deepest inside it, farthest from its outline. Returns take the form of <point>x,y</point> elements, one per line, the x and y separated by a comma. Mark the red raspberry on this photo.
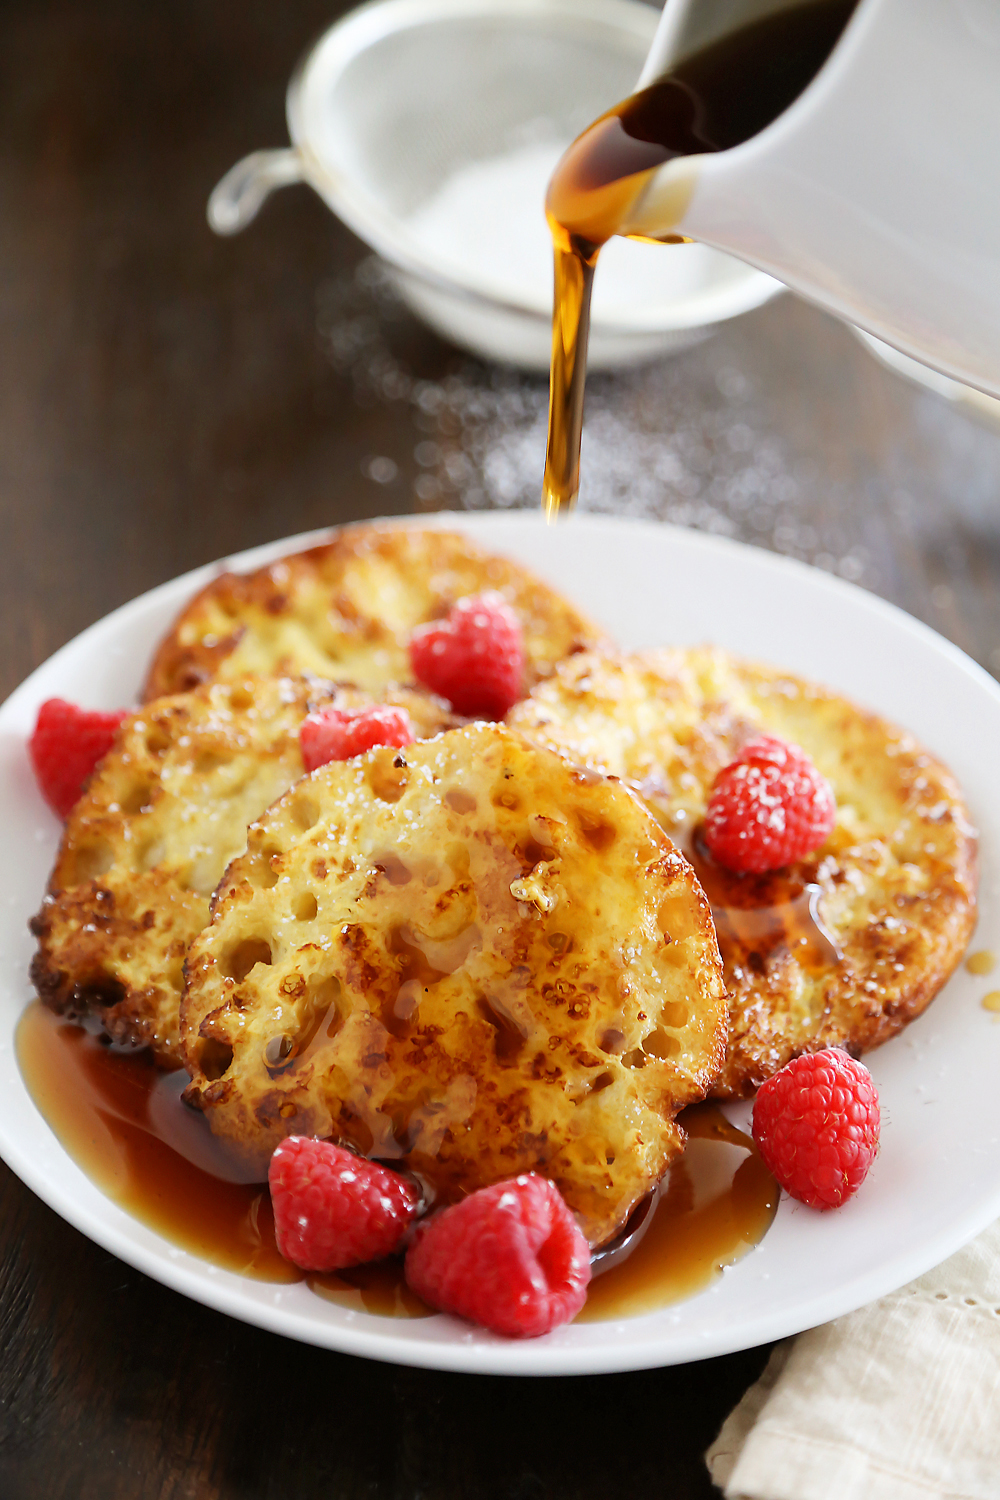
<point>474,658</point>
<point>816,1125</point>
<point>65,747</point>
<point>339,733</point>
<point>769,807</point>
<point>510,1257</point>
<point>334,1209</point>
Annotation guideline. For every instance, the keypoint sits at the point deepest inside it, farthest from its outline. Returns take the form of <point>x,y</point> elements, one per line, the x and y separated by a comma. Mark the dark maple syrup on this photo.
<point>715,99</point>
<point>759,916</point>
<point>122,1120</point>
<point>716,1203</point>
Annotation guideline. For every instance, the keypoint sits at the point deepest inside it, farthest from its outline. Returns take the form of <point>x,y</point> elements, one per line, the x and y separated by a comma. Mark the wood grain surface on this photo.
<point>166,397</point>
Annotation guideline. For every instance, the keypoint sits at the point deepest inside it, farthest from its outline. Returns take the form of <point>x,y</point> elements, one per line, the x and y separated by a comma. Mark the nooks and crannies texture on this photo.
<point>893,885</point>
<point>346,610</point>
<point>469,958</point>
<point>147,842</point>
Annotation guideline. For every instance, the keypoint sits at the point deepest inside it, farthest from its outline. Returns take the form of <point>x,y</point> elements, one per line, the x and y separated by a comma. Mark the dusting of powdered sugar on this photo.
<point>737,437</point>
<point>679,440</point>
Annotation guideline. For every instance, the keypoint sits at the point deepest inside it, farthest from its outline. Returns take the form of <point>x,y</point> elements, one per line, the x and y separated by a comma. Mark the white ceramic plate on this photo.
<point>936,1182</point>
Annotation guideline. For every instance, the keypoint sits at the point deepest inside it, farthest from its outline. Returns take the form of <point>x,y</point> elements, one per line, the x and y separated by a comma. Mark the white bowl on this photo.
<point>406,112</point>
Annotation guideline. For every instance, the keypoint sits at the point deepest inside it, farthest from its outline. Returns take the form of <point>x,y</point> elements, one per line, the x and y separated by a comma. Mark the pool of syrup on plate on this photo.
<point>713,99</point>
<point>122,1120</point>
<point>759,916</point>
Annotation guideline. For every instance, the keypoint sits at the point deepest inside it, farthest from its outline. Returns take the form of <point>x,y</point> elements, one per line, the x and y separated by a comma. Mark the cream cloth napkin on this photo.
<point>898,1401</point>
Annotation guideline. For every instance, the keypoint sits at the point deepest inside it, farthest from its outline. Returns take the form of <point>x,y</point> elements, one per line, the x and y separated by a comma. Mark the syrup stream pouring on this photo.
<point>870,190</point>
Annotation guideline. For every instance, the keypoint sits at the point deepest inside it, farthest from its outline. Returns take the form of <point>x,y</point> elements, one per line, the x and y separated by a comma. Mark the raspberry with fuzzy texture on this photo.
<point>474,658</point>
<point>768,807</point>
<point>333,1209</point>
<point>510,1257</point>
<point>816,1124</point>
<point>339,733</point>
<point>65,746</point>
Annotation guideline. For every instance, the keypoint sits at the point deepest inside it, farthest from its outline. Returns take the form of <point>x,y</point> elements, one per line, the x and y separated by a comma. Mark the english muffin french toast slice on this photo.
<point>145,846</point>
<point>841,949</point>
<point>467,958</point>
<point>345,611</point>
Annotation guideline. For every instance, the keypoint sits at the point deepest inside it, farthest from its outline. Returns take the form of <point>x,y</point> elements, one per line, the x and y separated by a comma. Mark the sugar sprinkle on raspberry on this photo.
<point>816,1124</point>
<point>510,1257</point>
<point>474,658</point>
<point>768,808</point>
<point>333,1209</point>
<point>65,747</point>
<point>340,733</point>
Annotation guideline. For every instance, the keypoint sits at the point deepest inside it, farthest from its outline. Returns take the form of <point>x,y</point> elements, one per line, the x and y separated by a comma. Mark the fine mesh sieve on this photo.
<point>402,97</point>
<point>423,101</point>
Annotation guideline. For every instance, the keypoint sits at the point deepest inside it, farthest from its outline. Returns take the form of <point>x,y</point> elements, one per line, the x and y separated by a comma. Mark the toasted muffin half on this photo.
<point>469,959</point>
<point>840,949</point>
<point>162,816</point>
<point>345,611</point>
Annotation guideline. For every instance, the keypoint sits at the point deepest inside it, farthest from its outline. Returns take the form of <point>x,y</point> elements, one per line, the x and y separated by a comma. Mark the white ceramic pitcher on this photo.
<point>877,193</point>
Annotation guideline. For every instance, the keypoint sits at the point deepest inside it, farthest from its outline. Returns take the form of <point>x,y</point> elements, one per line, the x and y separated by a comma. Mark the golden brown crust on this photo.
<point>468,958</point>
<point>894,885</point>
<point>345,611</point>
<point>166,810</point>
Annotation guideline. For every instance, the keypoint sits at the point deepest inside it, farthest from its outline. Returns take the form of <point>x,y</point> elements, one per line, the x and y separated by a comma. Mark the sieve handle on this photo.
<point>238,197</point>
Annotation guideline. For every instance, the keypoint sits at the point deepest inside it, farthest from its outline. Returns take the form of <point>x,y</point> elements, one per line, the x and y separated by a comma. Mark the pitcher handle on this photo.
<point>237,198</point>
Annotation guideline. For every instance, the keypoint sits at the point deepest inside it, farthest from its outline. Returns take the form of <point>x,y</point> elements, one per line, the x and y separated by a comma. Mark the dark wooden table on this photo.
<point>166,397</point>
